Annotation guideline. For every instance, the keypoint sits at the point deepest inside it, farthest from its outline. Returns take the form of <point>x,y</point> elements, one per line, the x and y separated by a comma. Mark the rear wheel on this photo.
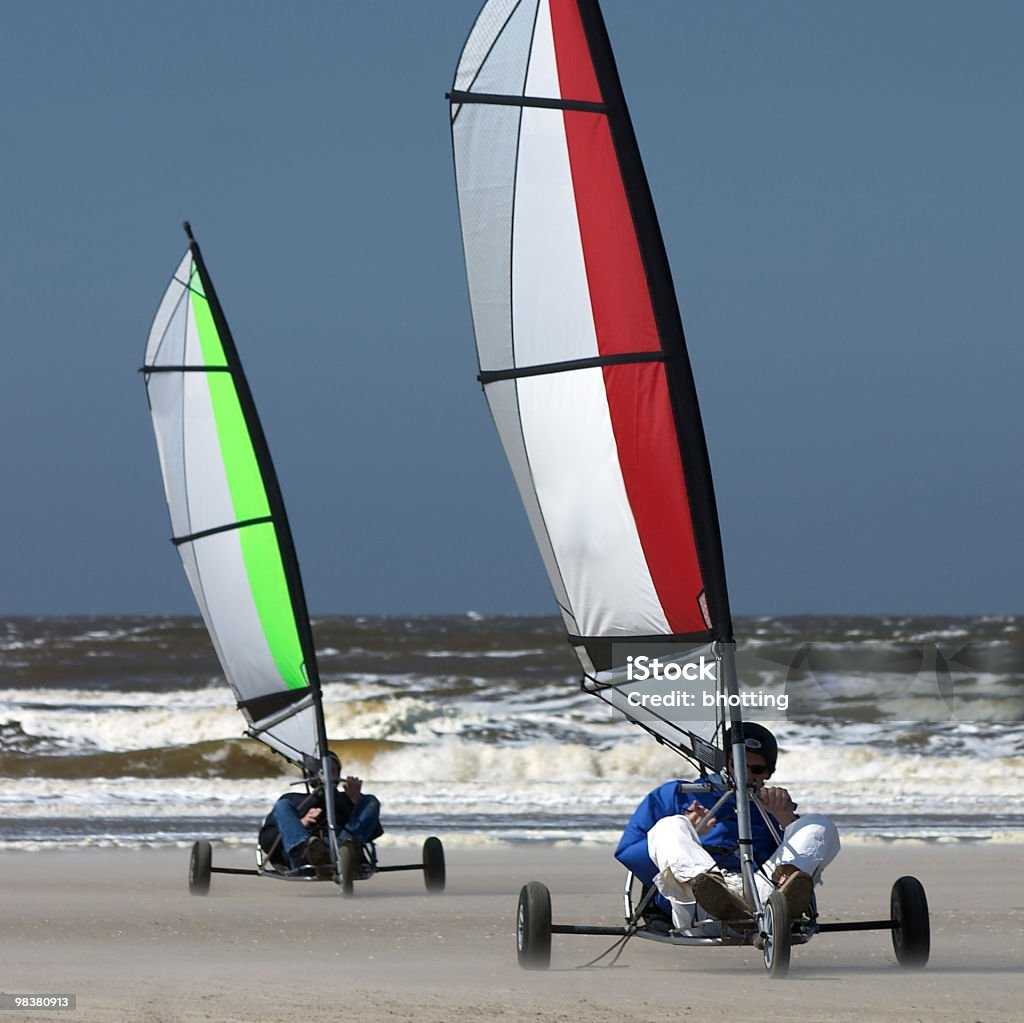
<point>911,932</point>
<point>776,935</point>
<point>199,865</point>
<point>348,864</point>
<point>533,927</point>
<point>433,865</point>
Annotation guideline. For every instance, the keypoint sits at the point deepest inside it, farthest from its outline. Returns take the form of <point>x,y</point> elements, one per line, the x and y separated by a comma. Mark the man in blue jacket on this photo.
<point>671,842</point>
<point>291,833</point>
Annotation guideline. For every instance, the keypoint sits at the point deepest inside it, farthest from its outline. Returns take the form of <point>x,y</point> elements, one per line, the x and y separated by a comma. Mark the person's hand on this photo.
<point>695,813</point>
<point>352,787</point>
<point>778,803</point>
<point>311,816</point>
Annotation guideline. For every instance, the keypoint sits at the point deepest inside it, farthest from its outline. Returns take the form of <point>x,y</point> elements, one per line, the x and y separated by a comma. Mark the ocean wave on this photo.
<point>421,712</point>
<point>480,725</point>
<point>571,773</point>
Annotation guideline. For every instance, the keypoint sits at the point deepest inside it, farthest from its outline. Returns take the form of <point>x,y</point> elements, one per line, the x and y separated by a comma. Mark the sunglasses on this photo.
<point>757,769</point>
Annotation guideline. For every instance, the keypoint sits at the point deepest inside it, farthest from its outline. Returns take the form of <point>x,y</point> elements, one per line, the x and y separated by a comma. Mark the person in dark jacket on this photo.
<point>291,832</point>
<point>690,858</point>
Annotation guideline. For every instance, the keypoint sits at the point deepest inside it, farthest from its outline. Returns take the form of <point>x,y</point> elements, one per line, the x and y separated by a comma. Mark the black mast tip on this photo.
<point>188,230</point>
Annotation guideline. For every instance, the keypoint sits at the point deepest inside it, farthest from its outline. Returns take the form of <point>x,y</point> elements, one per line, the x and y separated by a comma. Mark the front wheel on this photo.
<point>776,935</point>
<point>199,867</point>
<point>348,864</point>
<point>911,932</point>
<point>533,927</point>
<point>433,865</point>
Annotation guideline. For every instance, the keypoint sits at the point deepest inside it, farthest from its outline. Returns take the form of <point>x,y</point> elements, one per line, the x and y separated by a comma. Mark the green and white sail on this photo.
<point>227,515</point>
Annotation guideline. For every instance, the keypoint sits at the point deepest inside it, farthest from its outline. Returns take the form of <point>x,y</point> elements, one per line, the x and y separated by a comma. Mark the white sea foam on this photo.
<point>89,720</point>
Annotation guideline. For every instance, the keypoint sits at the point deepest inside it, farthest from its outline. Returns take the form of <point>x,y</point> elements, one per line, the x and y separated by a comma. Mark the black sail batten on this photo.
<point>540,102</point>
<point>595,362</point>
<point>186,369</point>
<point>275,501</point>
<point>679,373</point>
<point>216,530</point>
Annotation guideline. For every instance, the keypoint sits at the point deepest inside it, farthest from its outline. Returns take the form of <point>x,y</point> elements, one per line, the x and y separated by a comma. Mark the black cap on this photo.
<point>756,738</point>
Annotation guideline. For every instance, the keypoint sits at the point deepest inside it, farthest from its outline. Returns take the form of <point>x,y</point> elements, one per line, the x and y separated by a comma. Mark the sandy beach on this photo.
<point>120,931</point>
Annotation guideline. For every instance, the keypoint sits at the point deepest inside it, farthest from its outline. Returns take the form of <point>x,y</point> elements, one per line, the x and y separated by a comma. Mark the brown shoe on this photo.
<point>717,899</point>
<point>317,854</point>
<point>798,887</point>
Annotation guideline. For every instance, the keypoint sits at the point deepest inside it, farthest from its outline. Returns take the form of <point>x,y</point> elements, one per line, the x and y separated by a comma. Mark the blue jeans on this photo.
<point>361,824</point>
<point>363,821</point>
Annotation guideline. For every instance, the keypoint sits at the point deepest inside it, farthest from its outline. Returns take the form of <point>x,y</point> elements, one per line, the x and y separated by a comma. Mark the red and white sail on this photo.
<point>581,348</point>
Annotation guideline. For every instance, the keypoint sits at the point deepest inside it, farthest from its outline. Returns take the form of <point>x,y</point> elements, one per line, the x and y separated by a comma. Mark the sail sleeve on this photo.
<point>580,343</point>
<point>227,517</point>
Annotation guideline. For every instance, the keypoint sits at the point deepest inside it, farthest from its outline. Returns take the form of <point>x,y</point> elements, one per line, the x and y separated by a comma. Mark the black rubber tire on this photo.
<point>433,865</point>
<point>533,927</point>
<point>777,935</point>
<point>199,865</point>
<point>911,932</point>
<point>348,865</point>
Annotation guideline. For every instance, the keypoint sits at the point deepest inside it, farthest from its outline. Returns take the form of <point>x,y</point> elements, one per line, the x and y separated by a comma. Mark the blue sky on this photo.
<point>839,187</point>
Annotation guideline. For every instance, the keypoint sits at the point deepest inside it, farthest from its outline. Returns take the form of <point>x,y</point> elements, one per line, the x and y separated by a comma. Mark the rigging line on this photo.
<point>663,740</point>
<point>195,272</point>
<point>542,102</point>
<point>565,610</point>
<point>619,945</point>
<point>178,540</point>
<point>494,42</point>
<point>187,285</point>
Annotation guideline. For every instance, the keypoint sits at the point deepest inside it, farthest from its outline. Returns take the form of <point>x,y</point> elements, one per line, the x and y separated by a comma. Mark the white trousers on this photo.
<point>809,844</point>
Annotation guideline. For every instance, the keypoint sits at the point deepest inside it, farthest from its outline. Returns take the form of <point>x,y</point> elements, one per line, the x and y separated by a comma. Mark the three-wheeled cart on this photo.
<point>771,927</point>
<point>354,863</point>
